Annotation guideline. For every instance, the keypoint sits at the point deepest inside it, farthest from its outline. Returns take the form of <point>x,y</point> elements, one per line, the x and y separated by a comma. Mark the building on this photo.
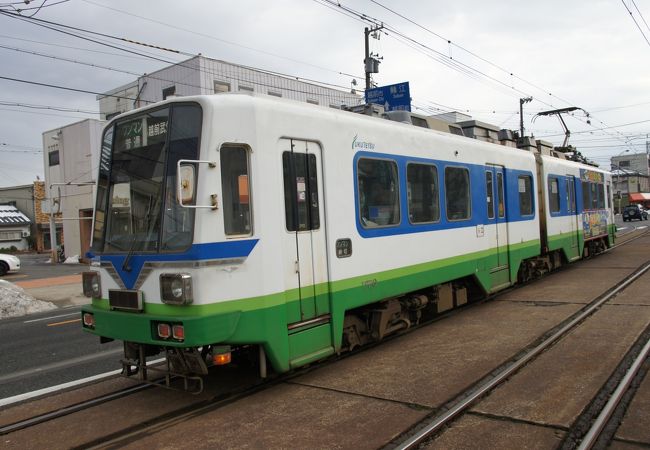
<point>29,201</point>
<point>631,180</point>
<point>14,228</point>
<point>201,75</point>
<point>71,158</point>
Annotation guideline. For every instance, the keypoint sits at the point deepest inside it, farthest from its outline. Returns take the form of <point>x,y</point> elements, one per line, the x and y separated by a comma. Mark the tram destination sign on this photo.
<point>395,97</point>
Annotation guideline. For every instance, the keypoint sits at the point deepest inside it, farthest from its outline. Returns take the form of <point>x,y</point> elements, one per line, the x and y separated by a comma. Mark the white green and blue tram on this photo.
<point>241,221</point>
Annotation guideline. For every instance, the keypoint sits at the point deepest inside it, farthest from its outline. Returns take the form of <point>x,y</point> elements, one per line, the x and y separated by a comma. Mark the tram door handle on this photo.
<point>297,266</point>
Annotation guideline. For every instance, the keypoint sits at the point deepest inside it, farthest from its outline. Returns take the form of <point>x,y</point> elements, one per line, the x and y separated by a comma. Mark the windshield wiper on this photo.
<point>148,225</point>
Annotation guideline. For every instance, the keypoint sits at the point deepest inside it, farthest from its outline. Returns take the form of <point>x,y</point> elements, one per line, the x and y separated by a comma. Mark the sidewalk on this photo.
<point>62,291</point>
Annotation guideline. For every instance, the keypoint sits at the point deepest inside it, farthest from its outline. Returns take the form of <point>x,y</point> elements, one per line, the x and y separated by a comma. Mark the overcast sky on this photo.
<point>583,53</point>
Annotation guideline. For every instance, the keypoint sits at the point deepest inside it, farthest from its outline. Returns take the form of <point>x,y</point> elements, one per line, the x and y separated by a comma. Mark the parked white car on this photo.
<point>9,263</point>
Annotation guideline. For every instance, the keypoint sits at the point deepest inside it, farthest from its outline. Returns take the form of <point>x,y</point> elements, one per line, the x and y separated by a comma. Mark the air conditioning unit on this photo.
<point>24,234</point>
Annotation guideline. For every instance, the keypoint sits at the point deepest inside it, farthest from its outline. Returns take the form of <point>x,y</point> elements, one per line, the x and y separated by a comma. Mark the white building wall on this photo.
<point>198,76</point>
<point>78,145</point>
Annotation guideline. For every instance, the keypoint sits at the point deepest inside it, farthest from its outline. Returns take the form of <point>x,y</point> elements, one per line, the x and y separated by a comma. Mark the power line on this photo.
<point>636,23</point>
<point>68,88</point>
<point>148,19</point>
<point>53,108</point>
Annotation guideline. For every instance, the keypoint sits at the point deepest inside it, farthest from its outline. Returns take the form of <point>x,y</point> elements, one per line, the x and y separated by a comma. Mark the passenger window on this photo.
<point>378,193</point>
<point>235,191</point>
<point>586,200</point>
<point>301,191</point>
<point>490,194</point>
<point>594,195</point>
<point>553,195</point>
<point>524,183</point>
<point>601,196</point>
<point>457,198</point>
<point>570,195</point>
<point>423,198</point>
<point>502,205</point>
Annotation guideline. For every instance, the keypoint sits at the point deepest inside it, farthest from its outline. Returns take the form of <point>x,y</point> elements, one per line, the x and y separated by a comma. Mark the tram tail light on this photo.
<point>88,320</point>
<point>164,330</point>
<point>178,332</point>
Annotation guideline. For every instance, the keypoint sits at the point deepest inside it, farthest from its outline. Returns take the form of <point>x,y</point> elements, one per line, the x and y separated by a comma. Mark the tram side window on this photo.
<point>524,184</point>
<point>301,191</point>
<point>490,194</point>
<point>378,193</point>
<point>235,191</point>
<point>601,196</point>
<point>554,195</point>
<point>457,195</point>
<point>423,197</point>
<point>593,187</point>
<point>586,199</point>
<point>570,196</point>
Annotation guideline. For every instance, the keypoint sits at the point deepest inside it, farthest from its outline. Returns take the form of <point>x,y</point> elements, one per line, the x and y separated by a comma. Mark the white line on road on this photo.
<point>58,365</point>
<point>60,387</point>
<point>51,317</point>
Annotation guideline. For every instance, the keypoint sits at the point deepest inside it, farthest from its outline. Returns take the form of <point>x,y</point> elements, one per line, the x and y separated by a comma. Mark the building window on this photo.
<point>168,92</point>
<point>554,195</point>
<point>457,195</point>
<point>312,101</point>
<point>221,86</point>
<point>378,192</point>
<point>236,191</point>
<point>525,195</point>
<point>422,185</point>
<point>54,158</point>
<point>11,235</point>
<point>624,164</point>
<point>275,94</point>
<point>245,88</point>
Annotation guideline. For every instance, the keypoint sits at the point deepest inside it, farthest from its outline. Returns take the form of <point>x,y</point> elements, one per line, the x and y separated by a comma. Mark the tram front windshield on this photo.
<point>137,208</point>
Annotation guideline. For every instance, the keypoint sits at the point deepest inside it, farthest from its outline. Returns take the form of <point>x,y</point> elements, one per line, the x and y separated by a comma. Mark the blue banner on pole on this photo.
<point>395,97</point>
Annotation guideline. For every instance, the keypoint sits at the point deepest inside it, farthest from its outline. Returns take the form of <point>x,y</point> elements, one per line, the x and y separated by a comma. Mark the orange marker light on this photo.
<point>221,359</point>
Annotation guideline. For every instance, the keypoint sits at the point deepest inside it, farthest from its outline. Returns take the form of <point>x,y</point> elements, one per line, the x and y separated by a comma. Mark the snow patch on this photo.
<point>14,301</point>
<point>72,260</point>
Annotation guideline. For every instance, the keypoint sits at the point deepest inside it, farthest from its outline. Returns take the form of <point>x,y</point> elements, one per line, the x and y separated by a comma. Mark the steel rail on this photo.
<point>601,421</point>
<point>70,409</point>
<point>442,419</point>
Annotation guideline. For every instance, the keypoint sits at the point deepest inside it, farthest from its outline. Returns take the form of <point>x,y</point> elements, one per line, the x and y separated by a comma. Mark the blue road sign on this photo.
<point>395,97</point>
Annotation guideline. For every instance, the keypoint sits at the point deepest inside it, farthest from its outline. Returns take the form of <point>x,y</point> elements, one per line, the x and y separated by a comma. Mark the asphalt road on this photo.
<point>34,266</point>
<point>46,349</point>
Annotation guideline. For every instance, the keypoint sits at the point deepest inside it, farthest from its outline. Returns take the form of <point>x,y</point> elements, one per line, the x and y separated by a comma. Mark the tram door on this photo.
<point>497,215</point>
<point>573,212</point>
<point>306,258</point>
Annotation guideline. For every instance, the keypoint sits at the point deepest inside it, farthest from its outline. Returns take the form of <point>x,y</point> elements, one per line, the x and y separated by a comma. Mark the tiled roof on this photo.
<point>10,215</point>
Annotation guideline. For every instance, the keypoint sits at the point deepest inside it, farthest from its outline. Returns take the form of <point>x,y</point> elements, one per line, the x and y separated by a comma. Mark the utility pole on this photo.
<point>371,64</point>
<point>521,114</point>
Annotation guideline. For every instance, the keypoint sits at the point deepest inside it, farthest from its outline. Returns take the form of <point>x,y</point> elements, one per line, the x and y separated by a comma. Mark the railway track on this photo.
<point>432,425</point>
<point>196,409</point>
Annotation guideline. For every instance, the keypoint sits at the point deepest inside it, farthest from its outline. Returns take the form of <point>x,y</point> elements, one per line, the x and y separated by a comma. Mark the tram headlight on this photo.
<point>176,288</point>
<point>92,286</point>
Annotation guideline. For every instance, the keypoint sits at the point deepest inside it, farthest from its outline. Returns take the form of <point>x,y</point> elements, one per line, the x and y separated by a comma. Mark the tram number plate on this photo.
<point>125,299</point>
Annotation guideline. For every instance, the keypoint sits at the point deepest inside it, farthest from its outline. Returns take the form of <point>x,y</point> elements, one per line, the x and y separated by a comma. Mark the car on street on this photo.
<point>634,212</point>
<point>8,263</point>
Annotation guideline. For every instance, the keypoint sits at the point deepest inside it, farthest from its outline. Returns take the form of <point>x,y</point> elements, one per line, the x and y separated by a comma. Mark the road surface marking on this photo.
<point>59,365</point>
<point>65,322</point>
<point>51,317</point>
<point>60,387</point>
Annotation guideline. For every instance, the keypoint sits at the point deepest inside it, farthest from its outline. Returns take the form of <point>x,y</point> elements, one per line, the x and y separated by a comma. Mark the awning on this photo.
<point>639,197</point>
